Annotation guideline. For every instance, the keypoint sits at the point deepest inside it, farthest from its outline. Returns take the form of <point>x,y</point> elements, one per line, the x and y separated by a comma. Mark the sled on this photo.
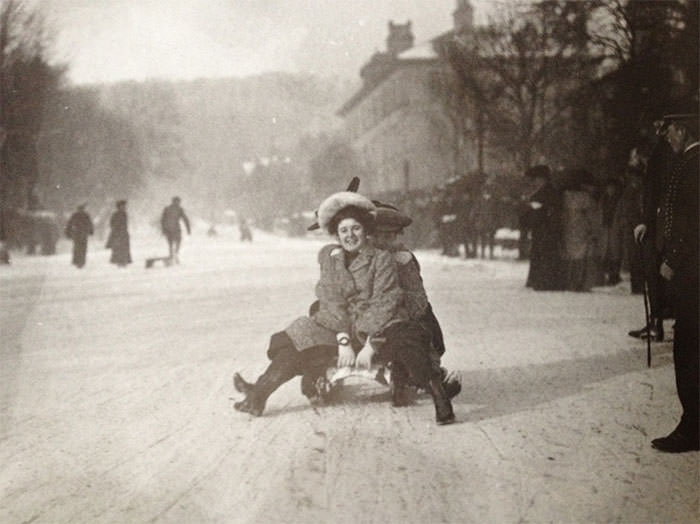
<point>337,376</point>
<point>167,261</point>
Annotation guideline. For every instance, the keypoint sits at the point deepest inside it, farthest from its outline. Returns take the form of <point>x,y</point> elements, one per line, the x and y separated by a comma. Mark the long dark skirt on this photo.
<point>121,250</point>
<point>79,250</point>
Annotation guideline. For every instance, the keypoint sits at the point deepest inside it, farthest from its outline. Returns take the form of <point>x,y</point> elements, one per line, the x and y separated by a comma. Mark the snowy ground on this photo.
<point>116,400</point>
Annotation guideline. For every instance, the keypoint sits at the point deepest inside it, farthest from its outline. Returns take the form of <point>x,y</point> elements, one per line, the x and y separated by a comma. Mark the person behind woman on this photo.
<point>118,240</point>
<point>360,301</point>
<point>389,224</point>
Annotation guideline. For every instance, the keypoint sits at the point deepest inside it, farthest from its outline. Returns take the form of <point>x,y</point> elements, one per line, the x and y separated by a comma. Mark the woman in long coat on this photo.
<point>545,224</point>
<point>360,302</point>
<point>118,240</point>
<point>582,224</point>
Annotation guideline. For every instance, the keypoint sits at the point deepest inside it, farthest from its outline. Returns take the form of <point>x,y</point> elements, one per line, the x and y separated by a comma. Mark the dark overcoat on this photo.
<point>118,240</point>
<point>78,228</point>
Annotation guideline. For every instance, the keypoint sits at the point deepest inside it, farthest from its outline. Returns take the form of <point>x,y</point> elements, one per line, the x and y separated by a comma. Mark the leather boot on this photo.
<point>400,391</point>
<point>452,387</point>
<point>443,406</point>
<point>281,369</point>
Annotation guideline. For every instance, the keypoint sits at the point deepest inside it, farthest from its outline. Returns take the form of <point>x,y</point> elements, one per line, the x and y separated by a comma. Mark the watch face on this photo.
<point>343,341</point>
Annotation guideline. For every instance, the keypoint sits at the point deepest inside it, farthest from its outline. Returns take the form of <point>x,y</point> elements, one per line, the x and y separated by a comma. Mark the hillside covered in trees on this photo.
<point>211,140</point>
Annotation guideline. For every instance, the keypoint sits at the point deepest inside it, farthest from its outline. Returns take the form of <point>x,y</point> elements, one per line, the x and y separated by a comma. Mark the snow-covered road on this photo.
<point>116,400</point>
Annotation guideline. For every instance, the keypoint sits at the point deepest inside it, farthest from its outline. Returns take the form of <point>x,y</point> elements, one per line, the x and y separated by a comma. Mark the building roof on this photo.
<point>423,52</point>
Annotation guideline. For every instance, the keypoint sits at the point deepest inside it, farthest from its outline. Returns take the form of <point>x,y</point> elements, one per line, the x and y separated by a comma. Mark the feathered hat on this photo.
<point>338,201</point>
<point>352,186</point>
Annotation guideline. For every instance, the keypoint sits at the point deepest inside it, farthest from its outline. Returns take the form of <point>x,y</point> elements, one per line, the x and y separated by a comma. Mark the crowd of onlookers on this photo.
<point>585,222</point>
<point>582,229</point>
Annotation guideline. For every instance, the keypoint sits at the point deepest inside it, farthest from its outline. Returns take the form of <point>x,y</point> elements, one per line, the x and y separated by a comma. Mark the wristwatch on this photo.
<point>343,339</point>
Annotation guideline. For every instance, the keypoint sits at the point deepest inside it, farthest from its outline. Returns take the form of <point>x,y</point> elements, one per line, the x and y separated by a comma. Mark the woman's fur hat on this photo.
<point>338,201</point>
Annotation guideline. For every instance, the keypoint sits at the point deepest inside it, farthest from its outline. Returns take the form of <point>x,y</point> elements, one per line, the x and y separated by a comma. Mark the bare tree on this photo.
<point>520,72</point>
<point>26,79</point>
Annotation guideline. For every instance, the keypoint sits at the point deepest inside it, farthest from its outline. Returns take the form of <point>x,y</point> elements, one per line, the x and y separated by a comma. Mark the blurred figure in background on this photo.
<point>545,223</point>
<point>611,232</point>
<point>581,232</point>
<point>244,229</point>
<point>118,240</point>
<point>78,228</point>
<point>170,225</point>
<point>484,219</point>
<point>630,216</point>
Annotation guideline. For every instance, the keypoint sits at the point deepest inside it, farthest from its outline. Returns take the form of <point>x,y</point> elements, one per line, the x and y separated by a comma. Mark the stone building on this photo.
<point>397,122</point>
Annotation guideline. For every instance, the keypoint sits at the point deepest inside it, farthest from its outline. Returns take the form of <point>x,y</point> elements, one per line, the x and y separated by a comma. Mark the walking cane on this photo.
<point>646,311</point>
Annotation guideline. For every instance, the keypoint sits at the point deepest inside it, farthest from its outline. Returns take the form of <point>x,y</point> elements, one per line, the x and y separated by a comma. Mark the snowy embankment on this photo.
<point>116,400</point>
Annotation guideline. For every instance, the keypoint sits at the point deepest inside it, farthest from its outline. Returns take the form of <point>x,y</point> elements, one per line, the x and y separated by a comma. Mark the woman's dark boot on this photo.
<point>452,387</point>
<point>443,406</point>
<point>281,369</point>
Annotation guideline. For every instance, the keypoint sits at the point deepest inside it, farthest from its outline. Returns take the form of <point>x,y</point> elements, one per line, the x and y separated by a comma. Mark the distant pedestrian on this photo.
<point>679,249</point>
<point>244,228</point>
<point>118,240</point>
<point>484,221</point>
<point>170,225</point>
<point>545,223</point>
<point>78,228</point>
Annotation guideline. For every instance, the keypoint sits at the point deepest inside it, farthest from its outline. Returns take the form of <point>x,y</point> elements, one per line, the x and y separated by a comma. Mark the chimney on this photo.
<point>400,38</point>
<point>463,17</point>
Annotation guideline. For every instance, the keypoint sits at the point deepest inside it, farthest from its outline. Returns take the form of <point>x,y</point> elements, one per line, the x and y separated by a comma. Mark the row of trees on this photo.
<point>58,146</point>
<point>26,82</point>
<point>569,82</point>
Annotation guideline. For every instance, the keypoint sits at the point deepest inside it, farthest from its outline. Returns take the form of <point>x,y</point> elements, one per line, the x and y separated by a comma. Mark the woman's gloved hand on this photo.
<point>364,357</point>
<point>346,355</point>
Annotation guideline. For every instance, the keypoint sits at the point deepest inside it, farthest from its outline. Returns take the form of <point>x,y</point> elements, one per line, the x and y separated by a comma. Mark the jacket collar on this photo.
<point>363,257</point>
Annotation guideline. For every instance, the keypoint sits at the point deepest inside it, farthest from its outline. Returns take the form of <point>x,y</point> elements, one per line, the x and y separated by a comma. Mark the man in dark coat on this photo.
<point>170,225</point>
<point>648,234</point>
<point>78,228</point>
<point>681,228</point>
<point>545,223</point>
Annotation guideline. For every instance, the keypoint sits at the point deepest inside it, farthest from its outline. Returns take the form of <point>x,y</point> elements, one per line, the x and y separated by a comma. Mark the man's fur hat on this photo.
<point>389,219</point>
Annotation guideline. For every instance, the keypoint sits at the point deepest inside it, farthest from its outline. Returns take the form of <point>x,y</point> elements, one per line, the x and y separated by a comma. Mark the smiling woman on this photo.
<point>360,302</point>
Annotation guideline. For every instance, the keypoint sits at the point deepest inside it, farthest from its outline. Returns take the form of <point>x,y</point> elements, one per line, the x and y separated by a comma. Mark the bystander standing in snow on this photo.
<point>170,226</point>
<point>649,233</point>
<point>545,226</point>
<point>581,228</point>
<point>78,228</point>
<point>681,228</point>
<point>118,240</point>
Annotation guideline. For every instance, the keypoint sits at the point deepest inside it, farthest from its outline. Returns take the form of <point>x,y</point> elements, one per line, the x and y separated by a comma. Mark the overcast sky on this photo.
<point>109,40</point>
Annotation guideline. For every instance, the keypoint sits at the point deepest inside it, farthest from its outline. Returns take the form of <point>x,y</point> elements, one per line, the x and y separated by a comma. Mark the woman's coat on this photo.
<point>360,300</point>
